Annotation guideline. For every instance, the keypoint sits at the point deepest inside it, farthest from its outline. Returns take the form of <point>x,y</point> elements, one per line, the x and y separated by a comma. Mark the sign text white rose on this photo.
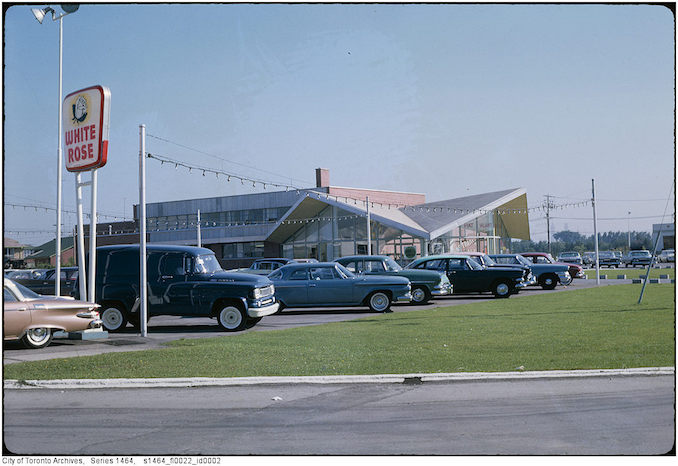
<point>86,115</point>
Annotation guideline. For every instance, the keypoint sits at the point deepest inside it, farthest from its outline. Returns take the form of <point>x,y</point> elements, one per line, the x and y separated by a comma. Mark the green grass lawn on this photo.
<point>631,273</point>
<point>574,329</point>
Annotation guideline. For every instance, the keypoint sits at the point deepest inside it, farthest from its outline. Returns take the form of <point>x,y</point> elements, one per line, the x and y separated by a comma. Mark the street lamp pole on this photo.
<point>60,160</point>
<point>40,15</point>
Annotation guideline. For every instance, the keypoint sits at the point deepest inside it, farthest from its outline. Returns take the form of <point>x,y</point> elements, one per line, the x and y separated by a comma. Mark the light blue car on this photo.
<point>329,284</point>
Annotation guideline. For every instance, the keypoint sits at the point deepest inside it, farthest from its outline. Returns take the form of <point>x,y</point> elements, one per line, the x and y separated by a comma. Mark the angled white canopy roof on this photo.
<point>427,221</point>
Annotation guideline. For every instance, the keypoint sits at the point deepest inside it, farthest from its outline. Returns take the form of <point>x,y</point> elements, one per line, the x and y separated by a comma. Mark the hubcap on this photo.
<point>112,318</point>
<point>418,295</point>
<point>379,302</point>
<point>548,281</point>
<point>502,289</point>
<point>230,317</point>
<point>38,335</point>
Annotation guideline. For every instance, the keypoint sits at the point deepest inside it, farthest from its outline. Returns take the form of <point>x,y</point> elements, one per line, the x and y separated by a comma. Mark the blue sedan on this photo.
<point>326,284</point>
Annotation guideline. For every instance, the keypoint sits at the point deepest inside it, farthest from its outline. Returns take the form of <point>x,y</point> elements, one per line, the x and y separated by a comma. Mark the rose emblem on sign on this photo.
<point>80,110</point>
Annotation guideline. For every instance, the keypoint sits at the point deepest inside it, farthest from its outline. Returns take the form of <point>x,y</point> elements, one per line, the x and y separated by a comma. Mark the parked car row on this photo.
<point>41,281</point>
<point>548,276</point>
<point>189,281</point>
<point>633,258</point>
<point>425,284</point>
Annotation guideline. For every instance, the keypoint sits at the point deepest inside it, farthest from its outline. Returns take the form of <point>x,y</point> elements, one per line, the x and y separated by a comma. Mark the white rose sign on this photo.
<point>86,116</point>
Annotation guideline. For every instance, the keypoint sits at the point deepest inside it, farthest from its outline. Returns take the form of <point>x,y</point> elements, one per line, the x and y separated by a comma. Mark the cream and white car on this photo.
<point>32,318</point>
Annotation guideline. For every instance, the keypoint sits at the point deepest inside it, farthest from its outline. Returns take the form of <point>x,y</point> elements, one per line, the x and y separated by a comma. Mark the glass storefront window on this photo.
<point>346,227</point>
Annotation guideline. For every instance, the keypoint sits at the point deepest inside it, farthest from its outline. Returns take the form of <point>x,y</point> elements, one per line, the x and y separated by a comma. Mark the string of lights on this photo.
<point>46,209</point>
<point>228,176</point>
<point>216,156</point>
<point>213,171</point>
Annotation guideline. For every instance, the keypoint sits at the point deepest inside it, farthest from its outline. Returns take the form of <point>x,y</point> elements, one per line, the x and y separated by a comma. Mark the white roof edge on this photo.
<point>355,209</point>
<point>491,206</point>
<point>285,215</point>
<point>367,189</point>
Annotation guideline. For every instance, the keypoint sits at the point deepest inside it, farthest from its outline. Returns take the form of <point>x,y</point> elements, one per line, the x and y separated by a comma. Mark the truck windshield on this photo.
<point>206,263</point>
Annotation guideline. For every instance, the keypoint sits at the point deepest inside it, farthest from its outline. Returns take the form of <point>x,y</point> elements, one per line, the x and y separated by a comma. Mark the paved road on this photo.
<point>162,329</point>
<point>591,416</point>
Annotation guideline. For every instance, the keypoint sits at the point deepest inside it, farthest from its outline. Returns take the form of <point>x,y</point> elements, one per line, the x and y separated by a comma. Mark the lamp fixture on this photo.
<point>40,14</point>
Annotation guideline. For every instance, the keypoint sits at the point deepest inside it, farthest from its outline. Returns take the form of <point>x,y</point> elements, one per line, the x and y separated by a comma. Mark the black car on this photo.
<point>44,282</point>
<point>487,260</point>
<point>468,276</point>
<point>182,281</point>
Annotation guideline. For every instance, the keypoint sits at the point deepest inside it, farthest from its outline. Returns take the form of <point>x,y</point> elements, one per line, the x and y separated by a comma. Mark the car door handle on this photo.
<point>22,309</point>
<point>311,284</point>
<point>166,277</point>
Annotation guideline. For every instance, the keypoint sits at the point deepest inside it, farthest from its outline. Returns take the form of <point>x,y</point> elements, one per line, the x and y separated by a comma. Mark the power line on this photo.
<point>220,158</point>
<point>611,200</point>
<point>608,218</point>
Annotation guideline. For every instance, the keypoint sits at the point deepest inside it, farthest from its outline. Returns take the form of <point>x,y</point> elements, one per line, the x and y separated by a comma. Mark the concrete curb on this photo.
<point>334,379</point>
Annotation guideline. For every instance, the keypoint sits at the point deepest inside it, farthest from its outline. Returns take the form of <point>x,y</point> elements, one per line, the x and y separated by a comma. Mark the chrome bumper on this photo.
<point>564,277</point>
<point>407,297</point>
<point>444,290</point>
<point>263,310</point>
<point>95,324</point>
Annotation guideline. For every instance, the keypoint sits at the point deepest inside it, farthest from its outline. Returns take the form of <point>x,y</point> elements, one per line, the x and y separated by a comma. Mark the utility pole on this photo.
<point>595,229</point>
<point>628,227</point>
<point>548,221</point>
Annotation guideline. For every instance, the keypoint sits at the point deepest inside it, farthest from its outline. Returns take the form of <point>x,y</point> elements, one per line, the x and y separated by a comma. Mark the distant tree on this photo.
<point>568,237</point>
<point>573,241</point>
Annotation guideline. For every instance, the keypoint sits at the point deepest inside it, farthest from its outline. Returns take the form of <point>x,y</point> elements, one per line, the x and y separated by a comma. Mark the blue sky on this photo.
<point>447,100</point>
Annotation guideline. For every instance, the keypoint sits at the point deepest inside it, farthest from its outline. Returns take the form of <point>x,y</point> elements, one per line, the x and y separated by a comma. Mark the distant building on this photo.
<point>328,222</point>
<point>45,254</point>
<point>667,235</point>
<point>14,253</point>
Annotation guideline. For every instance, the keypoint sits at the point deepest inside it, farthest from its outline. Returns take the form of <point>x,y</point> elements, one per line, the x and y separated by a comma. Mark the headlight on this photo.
<point>263,292</point>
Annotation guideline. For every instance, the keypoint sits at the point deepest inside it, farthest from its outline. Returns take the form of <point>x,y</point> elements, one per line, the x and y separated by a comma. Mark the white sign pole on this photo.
<point>85,119</point>
<point>143,301</point>
<point>82,279</point>
<point>93,240</point>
